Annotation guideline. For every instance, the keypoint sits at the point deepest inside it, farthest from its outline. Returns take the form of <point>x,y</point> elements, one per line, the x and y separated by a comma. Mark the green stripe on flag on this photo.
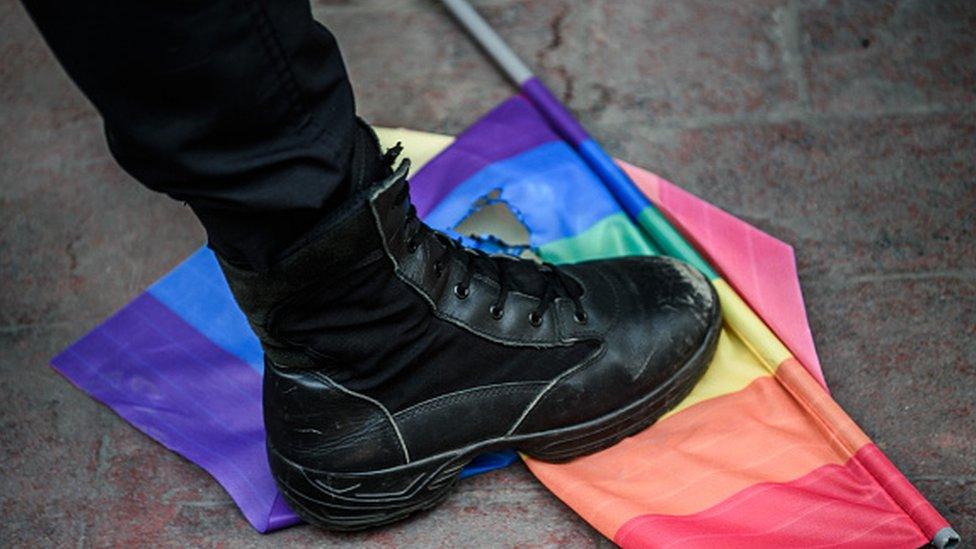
<point>671,242</point>
<point>612,236</point>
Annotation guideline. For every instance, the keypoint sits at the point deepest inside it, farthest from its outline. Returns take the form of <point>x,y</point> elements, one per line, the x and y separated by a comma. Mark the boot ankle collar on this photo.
<point>341,240</point>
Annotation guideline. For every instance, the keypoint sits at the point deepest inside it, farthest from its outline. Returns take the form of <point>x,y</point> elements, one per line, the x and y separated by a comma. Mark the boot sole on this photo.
<point>356,501</point>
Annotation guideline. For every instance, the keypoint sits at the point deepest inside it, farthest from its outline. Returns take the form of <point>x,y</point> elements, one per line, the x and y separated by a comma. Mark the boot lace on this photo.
<point>555,283</point>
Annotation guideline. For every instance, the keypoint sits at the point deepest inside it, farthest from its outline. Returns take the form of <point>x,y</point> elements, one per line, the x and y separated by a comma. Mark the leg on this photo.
<point>243,110</point>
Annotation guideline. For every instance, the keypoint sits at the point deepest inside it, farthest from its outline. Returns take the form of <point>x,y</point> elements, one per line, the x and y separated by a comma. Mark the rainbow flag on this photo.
<point>758,454</point>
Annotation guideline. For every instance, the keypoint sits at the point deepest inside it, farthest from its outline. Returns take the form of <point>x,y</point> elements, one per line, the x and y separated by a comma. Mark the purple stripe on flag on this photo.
<point>281,516</point>
<point>509,129</point>
<point>556,114</point>
<point>175,385</point>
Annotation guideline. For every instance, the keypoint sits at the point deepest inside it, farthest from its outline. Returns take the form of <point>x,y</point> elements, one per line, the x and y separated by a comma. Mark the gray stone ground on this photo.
<point>847,128</point>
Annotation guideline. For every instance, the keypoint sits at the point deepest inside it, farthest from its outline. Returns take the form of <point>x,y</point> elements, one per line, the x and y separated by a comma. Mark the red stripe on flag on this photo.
<point>832,506</point>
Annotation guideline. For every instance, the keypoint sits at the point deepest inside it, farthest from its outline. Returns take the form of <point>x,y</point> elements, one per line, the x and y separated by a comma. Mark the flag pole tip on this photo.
<point>946,538</point>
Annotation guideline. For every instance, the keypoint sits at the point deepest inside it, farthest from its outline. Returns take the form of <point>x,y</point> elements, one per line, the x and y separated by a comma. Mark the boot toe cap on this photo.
<point>671,322</point>
<point>657,318</point>
<point>667,310</point>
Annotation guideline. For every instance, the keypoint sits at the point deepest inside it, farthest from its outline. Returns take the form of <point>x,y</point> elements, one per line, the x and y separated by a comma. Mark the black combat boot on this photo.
<point>394,356</point>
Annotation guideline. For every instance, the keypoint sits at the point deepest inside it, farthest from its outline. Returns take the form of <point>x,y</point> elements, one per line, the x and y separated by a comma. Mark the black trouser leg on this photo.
<point>242,109</point>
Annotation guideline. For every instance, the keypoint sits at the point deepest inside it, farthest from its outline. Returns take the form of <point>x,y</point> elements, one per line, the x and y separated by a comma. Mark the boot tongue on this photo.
<point>528,277</point>
<point>524,276</point>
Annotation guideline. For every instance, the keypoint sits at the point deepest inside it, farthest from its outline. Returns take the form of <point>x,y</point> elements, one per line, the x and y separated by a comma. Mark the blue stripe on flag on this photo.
<point>197,292</point>
<point>539,186</point>
<point>610,174</point>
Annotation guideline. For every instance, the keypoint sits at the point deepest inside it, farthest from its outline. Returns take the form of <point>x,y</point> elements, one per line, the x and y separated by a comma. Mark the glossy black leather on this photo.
<point>652,315</point>
<point>462,418</point>
<point>645,318</point>
<point>314,422</point>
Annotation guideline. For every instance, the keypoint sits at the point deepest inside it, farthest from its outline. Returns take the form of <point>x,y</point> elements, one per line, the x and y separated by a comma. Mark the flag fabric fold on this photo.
<point>757,455</point>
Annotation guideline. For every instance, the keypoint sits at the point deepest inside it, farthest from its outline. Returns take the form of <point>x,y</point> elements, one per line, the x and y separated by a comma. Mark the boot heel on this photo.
<point>356,501</point>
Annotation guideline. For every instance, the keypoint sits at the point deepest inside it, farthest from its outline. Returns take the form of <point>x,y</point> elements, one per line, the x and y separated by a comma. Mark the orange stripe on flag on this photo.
<point>695,459</point>
<point>841,429</point>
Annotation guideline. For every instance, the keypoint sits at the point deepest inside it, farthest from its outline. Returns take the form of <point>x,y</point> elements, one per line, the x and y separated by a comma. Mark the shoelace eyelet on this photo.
<point>461,292</point>
<point>535,319</point>
<point>472,262</point>
<point>580,317</point>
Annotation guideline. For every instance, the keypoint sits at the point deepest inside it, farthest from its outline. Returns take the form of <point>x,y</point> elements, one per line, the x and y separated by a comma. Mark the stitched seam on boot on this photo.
<point>441,401</point>
<point>549,389</point>
<point>435,310</point>
<point>366,431</point>
<point>386,412</point>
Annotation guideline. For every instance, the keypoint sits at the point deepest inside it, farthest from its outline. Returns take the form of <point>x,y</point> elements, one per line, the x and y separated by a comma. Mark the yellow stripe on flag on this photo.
<point>740,318</point>
<point>419,147</point>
